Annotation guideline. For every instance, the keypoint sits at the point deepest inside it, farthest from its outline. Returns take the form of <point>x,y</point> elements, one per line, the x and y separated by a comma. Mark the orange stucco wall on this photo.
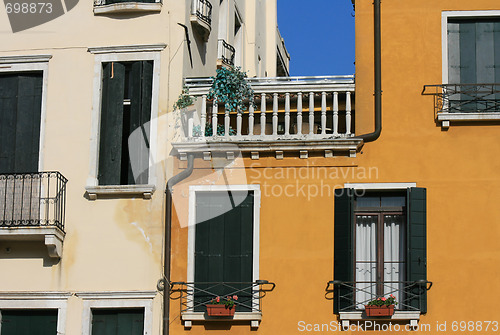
<point>459,167</point>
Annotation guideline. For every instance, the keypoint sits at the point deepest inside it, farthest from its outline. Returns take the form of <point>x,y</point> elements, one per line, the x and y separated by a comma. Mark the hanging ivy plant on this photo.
<point>184,99</point>
<point>230,88</point>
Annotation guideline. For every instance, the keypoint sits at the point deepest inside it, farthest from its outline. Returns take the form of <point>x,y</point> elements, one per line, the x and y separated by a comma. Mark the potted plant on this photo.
<point>381,306</point>
<point>222,306</point>
<point>230,88</point>
<point>184,101</point>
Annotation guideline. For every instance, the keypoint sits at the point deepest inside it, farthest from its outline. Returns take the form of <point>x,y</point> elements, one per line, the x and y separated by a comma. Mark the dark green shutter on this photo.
<point>223,245</point>
<point>140,93</point>
<point>20,114</point>
<point>111,134</point>
<point>343,247</point>
<point>417,247</point>
<point>118,321</point>
<point>29,322</point>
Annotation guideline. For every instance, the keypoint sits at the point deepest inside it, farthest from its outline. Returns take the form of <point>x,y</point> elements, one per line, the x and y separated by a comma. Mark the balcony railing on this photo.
<point>226,53</point>
<point>203,10</point>
<point>353,296</point>
<point>195,296</point>
<point>290,108</point>
<point>465,102</point>
<point>32,200</point>
<point>299,114</point>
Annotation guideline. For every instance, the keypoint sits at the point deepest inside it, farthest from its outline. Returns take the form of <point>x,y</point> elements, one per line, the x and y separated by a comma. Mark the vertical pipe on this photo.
<point>168,241</point>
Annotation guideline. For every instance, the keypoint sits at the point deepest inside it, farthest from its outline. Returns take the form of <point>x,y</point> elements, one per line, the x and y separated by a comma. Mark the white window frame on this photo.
<point>445,118</point>
<point>37,300</point>
<point>192,236</point>
<point>117,300</point>
<point>38,63</point>
<point>123,54</point>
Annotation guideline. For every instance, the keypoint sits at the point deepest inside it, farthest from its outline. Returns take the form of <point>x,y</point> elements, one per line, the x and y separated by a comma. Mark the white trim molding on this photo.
<point>37,300</point>
<point>123,54</point>
<point>411,317</point>
<point>144,191</point>
<point>117,299</point>
<point>380,186</point>
<point>190,316</point>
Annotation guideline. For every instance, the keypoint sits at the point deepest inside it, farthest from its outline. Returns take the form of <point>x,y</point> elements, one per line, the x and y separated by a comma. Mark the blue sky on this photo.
<point>319,35</point>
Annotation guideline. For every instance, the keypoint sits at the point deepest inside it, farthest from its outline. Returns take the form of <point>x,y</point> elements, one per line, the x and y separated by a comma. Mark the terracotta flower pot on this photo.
<point>379,310</point>
<point>220,310</point>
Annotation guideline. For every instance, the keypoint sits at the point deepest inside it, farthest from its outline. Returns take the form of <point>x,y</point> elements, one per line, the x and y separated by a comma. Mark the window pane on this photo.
<point>394,256</point>
<point>366,258</point>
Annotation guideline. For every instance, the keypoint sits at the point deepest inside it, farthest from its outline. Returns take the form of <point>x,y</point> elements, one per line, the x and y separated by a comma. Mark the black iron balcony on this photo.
<point>32,199</point>
<point>195,296</point>
<point>465,102</point>
<point>203,10</point>
<point>353,296</point>
<point>226,53</point>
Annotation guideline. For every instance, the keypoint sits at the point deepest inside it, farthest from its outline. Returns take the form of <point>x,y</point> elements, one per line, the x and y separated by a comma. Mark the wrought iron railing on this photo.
<point>302,108</point>
<point>32,199</point>
<point>195,296</point>
<point>203,10</point>
<point>353,296</point>
<point>226,52</point>
<point>465,98</point>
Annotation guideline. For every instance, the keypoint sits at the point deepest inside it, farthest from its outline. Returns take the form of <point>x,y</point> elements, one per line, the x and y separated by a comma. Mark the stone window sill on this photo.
<point>253,317</point>
<point>116,191</point>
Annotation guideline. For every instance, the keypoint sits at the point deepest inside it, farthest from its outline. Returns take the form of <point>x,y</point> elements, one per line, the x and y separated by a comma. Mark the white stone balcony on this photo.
<point>298,115</point>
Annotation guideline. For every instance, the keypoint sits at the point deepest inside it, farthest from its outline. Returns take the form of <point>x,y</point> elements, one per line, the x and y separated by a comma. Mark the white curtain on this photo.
<point>366,257</point>
<point>394,249</point>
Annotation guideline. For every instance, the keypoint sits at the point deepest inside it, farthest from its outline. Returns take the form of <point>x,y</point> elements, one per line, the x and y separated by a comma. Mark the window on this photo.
<point>470,89</point>
<point>124,114</point>
<point>125,109</point>
<point>118,321</point>
<point>380,248</point>
<point>223,239</point>
<point>110,313</point>
<point>22,109</point>
<point>29,322</point>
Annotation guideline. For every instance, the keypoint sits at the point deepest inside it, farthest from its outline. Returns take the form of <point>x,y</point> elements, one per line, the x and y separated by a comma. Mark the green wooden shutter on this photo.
<point>124,321</point>
<point>111,134</point>
<point>343,247</point>
<point>417,246</point>
<point>29,322</point>
<point>20,114</point>
<point>140,93</point>
<point>224,244</point>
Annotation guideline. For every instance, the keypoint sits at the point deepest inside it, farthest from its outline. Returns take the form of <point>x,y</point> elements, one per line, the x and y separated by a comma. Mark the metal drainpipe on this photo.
<point>168,241</point>
<point>378,75</point>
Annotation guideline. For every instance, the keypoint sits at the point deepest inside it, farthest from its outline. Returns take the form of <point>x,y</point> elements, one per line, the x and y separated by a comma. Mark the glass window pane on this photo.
<point>366,258</point>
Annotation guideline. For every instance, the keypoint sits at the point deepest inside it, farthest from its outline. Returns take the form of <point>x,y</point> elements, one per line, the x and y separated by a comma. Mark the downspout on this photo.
<point>168,241</point>
<point>377,75</point>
